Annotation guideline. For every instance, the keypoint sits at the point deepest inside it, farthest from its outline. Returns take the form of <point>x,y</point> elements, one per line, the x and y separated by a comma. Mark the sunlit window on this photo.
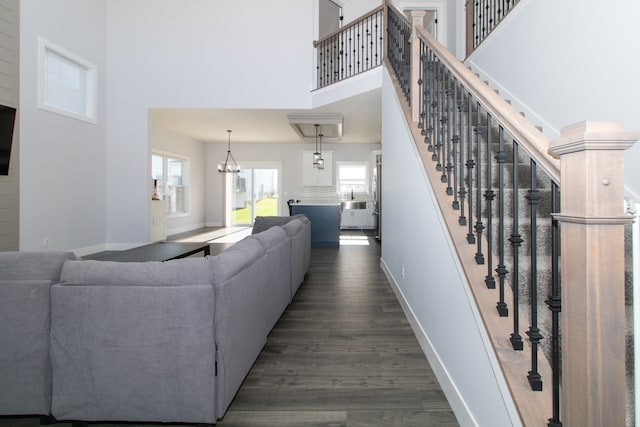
<point>171,175</point>
<point>352,176</point>
<point>67,83</point>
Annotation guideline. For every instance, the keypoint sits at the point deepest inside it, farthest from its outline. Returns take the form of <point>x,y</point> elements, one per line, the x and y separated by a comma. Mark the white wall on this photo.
<point>569,61</point>
<point>290,155</point>
<point>62,161</point>
<point>166,141</point>
<point>414,238</point>
<point>196,54</point>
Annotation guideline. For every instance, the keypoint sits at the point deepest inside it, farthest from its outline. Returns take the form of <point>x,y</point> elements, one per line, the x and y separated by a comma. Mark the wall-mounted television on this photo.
<point>7,122</point>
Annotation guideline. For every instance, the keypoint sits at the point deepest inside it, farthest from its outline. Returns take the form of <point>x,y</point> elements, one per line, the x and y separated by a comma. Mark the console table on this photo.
<point>154,252</point>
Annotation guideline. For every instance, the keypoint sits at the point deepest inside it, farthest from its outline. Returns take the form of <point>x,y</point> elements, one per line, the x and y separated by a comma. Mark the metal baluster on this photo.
<point>554,303</point>
<point>422,88</point>
<point>451,139</point>
<point>489,196</point>
<point>455,141</point>
<point>444,121</point>
<point>475,24</point>
<point>462,220</point>
<point>471,238</point>
<point>433,104</point>
<point>439,109</point>
<point>347,50</point>
<point>501,270</point>
<point>479,226</point>
<point>377,41</point>
<point>516,240</point>
<point>535,380</point>
<point>370,37</point>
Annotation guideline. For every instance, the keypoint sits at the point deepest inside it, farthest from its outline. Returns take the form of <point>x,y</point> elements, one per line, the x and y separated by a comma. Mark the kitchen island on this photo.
<point>325,222</point>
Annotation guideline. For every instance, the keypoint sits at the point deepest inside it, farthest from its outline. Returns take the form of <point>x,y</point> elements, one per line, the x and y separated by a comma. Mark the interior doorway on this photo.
<point>329,17</point>
<point>254,191</point>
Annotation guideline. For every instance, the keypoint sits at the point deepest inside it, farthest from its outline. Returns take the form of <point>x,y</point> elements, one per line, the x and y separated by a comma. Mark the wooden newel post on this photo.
<point>592,267</point>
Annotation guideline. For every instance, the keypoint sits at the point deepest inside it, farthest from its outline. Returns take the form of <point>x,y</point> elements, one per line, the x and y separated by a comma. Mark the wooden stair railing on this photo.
<point>477,150</point>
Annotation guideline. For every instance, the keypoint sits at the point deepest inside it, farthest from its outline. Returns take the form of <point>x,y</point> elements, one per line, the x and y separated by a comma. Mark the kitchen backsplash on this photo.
<point>328,194</point>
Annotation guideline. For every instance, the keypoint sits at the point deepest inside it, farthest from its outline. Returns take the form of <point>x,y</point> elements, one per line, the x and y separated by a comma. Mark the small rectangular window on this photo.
<point>67,84</point>
<point>171,173</point>
<point>352,176</point>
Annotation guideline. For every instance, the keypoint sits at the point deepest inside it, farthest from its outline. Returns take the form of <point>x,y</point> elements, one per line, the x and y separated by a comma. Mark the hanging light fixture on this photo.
<point>316,155</point>
<point>229,166</point>
<point>320,164</point>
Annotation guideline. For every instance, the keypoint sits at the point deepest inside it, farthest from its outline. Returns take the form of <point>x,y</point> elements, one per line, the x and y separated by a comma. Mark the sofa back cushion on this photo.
<point>187,271</point>
<point>263,223</point>
<point>33,265</point>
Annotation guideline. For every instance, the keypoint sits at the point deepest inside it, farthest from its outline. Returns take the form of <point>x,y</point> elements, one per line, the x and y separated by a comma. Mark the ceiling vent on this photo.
<point>330,127</point>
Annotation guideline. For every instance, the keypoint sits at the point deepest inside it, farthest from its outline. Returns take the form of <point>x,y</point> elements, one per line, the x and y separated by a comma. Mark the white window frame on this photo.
<point>186,188</point>
<point>46,49</point>
<point>365,165</point>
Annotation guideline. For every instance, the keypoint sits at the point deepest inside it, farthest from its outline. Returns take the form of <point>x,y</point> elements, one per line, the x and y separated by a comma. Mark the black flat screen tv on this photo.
<point>7,121</point>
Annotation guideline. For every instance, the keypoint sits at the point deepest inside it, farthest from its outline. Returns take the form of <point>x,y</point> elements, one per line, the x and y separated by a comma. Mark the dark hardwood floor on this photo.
<point>342,354</point>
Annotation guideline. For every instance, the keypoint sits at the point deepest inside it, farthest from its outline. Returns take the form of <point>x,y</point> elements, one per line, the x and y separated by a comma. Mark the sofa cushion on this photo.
<point>133,353</point>
<point>263,223</point>
<point>33,265</point>
<point>185,271</point>
<point>25,371</point>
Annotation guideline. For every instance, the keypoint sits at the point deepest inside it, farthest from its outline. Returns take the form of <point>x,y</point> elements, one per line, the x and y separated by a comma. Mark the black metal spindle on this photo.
<point>444,122</point>
<point>462,192</point>
<point>554,303</point>
<point>471,238</point>
<point>479,227</point>
<point>501,270</point>
<point>433,105</point>
<point>516,240</point>
<point>489,196</point>
<point>455,142</point>
<point>439,112</point>
<point>535,380</point>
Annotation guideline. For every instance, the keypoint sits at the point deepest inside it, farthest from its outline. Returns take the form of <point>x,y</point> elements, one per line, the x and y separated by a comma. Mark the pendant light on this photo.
<point>229,166</point>
<point>316,155</point>
<point>320,164</point>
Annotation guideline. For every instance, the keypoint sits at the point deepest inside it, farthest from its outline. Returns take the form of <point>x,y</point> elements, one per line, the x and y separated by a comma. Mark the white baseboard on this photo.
<point>458,405</point>
<point>178,230</point>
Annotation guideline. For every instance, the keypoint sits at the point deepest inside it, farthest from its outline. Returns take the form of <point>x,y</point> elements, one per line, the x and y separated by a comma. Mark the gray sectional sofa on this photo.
<point>147,342</point>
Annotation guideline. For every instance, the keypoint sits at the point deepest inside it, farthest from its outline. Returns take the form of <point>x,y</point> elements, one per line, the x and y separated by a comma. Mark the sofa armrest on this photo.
<point>242,314</point>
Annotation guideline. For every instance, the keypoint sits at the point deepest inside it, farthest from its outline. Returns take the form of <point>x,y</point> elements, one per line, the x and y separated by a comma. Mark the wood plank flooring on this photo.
<point>342,354</point>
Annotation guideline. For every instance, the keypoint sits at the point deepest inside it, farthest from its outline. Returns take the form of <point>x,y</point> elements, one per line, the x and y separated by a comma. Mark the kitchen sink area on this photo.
<point>353,204</point>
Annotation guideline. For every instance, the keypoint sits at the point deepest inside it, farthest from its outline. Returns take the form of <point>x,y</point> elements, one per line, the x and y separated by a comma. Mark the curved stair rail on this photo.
<point>501,193</point>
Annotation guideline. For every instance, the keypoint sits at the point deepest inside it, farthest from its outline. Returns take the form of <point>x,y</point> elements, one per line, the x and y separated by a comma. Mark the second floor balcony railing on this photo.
<point>353,49</point>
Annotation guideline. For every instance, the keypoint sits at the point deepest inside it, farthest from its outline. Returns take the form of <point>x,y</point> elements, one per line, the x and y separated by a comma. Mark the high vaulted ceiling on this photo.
<point>361,121</point>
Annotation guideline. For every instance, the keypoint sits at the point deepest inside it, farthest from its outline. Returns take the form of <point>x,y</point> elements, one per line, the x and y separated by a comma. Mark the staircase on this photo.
<point>498,186</point>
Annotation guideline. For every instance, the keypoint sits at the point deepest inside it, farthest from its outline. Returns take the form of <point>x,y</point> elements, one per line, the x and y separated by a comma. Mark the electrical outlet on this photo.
<point>402,271</point>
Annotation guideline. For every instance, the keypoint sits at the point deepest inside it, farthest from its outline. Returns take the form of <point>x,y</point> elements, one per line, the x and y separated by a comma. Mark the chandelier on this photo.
<point>320,164</point>
<point>317,155</point>
<point>230,165</point>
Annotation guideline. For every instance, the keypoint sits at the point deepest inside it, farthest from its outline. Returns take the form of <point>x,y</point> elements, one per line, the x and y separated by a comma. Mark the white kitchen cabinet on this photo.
<point>313,176</point>
<point>158,220</point>
<point>358,218</point>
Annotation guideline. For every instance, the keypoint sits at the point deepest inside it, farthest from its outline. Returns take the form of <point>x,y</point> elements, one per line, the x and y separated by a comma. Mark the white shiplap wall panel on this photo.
<point>9,186</point>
